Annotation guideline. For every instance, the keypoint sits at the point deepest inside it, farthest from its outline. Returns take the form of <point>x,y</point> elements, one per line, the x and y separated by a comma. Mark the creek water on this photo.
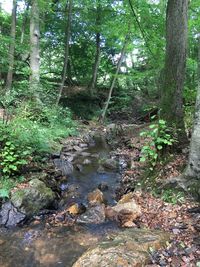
<point>51,246</point>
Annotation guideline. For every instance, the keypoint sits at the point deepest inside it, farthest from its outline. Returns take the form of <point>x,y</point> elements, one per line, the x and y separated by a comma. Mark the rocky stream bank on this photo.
<point>82,210</point>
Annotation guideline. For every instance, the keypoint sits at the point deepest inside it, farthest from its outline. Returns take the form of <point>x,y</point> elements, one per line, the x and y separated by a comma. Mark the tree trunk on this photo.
<point>11,52</point>
<point>93,81</point>
<point>193,168</point>
<point>25,19</point>
<point>67,37</point>
<point>115,77</point>
<point>175,61</point>
<point>34,50</point>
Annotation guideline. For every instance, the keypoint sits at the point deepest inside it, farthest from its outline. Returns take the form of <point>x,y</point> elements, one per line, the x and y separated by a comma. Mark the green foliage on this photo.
<point>12,159</point>
<point>158,138</point>
<point>172,196</point>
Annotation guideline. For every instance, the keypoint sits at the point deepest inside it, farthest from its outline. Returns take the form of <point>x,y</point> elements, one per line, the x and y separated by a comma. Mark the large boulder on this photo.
<point>32,199</point>
<point>129,248</point>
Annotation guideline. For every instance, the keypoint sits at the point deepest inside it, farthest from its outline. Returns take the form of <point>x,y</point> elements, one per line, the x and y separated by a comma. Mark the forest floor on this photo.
<point>170,211</point>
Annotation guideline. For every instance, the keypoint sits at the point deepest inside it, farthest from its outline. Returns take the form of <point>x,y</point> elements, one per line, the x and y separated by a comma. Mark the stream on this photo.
<point>44,245</point>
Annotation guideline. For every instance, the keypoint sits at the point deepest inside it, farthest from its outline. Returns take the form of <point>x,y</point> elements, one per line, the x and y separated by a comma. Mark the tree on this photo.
<point>174,71</point>
<point>11,51</point>
<point>115,77</point>
<point>67,37</point>
<point>93,81</point>
<point>193,167</point>
<point>34,49</point>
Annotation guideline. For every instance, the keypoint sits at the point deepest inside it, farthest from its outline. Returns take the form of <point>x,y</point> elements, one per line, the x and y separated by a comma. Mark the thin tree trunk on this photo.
<point>11,52</point>
<point>93,81</point>
<point>175,62</point>
<point>115,77</point>
<point>25,19</point>
<point>67,37</point>
<point>193,168</point>
<point>34,50</point>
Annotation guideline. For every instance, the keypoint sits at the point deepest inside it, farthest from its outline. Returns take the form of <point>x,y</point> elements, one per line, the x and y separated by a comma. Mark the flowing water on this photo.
<point>42,245</point>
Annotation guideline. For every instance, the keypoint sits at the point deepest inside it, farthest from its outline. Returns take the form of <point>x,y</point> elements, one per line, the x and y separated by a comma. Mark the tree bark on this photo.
<point>34,50</point>
<point>115,78</point>
<point>93,81</point>
<point>193,168</point>
<point>67,37</point>
<point>25,19</point>
<point>11,52</point>
<point>175,61</point>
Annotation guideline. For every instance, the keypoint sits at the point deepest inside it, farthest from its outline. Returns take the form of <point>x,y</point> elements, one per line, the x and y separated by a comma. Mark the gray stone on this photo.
<point>63,165</point>
<point>94,215</point>
<point>110,164</point>
<point>10,216</point>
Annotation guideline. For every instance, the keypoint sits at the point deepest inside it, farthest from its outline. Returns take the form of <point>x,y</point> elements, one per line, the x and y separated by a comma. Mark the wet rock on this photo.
<point>86,162</point>
<point>76,208</point>
<point>94,215</point>
<point>79,167</point>
<point>77,148</point>
<point>85,154</point>
<point>129,248</point>
<point>55,155</point>
<point>101,170</point>
<point>34,198</point>
<point>103,186</point>
<point>110,164</point>
<point>10,216</point>
<point>82,145</point>
<point>63,165</point>
<point>96,197</point>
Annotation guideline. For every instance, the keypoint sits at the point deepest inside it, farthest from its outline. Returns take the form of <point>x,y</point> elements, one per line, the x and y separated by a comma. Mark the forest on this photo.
<point>100,133</point>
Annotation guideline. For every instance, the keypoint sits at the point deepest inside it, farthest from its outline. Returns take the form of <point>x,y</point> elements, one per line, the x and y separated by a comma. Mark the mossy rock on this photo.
<point>32,199</point>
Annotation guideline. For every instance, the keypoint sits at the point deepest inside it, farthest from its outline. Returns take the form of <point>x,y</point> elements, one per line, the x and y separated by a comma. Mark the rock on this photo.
<point>96,197</point>
<point>103,186</point>
<point>55,155</point>
<point>79,167</point>
<point>10,216</point>
<point>85,154</point>
<point>32,199</point>
<point>94,215</point>
<point>110,164</point>
<point>101,170</point>
<point>83,145</point>
<point>86,162</point>
<point>77,148</point>
<point>131,206</point>
<point>2,242</point>
<point>126,198</point>
<point>76,208</point>
<point>63,165</point>
<point>124,213</point>
<point>111,214</point>
<point>129,248</point>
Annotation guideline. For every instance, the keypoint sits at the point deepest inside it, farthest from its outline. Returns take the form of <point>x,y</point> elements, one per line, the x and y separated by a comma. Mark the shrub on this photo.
<point>158,139</point>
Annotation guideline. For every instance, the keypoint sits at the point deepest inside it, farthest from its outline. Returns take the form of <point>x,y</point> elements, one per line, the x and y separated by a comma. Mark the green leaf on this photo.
<point>4,193</point>
<point>143,159</point>
<point>159,147</point>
